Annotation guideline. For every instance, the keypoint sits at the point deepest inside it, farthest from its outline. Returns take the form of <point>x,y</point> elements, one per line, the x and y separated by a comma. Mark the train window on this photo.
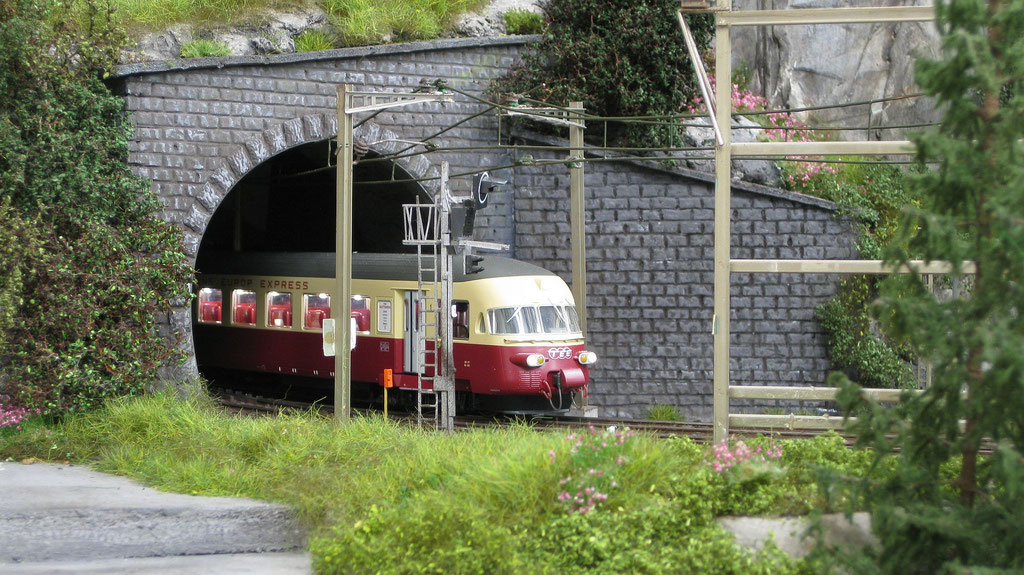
<point>534,320</point>
<point>210,301</point>
<point>559,319</point>
<point>460,319</point>
<point>279,309</point>
<point>361,311</point>
<point>513,320</point>
<point>243,305</point>
<point>316,307</point>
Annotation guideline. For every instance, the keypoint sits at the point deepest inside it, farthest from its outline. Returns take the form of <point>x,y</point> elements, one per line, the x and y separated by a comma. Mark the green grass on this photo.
<point>364,22</point>
<point>149,15</point>
<point>662,412</point>
<point>354,22</point>
<point>204,49</point>
<point>313,41</point>
<point>520,21</point>
<point>484,501</point>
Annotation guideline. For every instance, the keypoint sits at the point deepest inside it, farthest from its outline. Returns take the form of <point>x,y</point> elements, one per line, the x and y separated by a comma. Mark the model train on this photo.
<point>517,342</point>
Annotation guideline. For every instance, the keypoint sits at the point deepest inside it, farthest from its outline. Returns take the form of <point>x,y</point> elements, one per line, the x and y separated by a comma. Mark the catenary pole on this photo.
<point>723,224</point>
<point>343,263</point>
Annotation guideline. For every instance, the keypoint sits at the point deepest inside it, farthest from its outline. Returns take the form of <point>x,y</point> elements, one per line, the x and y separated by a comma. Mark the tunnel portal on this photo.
<point>287,204</point>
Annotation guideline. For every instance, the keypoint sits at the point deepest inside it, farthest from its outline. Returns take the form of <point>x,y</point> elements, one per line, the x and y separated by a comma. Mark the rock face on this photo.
<point>275,34</point>
<point>743,130</point>
<point>792,535</point>
<point>803,66</point>
<point>490,20</point>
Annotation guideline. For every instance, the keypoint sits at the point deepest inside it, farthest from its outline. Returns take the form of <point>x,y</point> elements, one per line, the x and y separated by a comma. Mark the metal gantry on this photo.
<point>427,227</point>
<point>724,266</point>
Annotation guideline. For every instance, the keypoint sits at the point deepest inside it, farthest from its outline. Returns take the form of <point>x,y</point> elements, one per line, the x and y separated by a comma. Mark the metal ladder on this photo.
<point>421,231</point>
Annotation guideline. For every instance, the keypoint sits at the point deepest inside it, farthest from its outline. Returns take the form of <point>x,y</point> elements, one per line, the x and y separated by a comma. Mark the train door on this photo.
<point>411,363</point>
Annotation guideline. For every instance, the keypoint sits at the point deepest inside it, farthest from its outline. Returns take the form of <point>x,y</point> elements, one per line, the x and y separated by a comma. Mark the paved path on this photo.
<point>70,519</point>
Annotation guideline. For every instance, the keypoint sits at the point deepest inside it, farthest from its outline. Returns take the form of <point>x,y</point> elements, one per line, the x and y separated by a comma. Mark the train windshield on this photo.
<point>534,320</point>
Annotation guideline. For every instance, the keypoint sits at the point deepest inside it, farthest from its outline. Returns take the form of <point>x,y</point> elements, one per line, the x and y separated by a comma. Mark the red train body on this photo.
<point>517,342</point>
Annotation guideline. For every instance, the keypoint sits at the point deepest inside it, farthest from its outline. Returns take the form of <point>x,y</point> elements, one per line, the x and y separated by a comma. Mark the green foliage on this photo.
<point>363,22</point>
<point>946,509</point>
<point>18,242</point>
<point>664,412</point>
<point>654,538</point>
<point>619,57</point>
<point>204,49</point>
<point>313,41</point>
<point>482,501</point>
<point>873,194</point>
<point>854,346</point>
<point>434,535</point>
<point>521,21</point>
<point>97,266</point>
<point>595,460</point>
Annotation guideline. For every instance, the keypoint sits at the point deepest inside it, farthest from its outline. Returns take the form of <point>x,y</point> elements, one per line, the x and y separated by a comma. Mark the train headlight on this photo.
<point>587,358</point>
<point>528,359</point>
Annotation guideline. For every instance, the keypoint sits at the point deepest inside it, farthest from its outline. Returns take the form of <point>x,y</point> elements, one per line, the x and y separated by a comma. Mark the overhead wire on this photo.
<point>658,153</point>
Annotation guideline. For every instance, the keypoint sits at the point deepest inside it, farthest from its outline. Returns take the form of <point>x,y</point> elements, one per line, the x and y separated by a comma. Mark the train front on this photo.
<point>522,348</point>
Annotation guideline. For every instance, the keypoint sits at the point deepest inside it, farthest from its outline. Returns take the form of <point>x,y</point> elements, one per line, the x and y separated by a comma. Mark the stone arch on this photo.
<point>228,170</point>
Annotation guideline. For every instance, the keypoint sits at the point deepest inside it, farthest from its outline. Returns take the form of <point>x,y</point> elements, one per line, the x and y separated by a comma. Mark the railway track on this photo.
<point>248,404</point>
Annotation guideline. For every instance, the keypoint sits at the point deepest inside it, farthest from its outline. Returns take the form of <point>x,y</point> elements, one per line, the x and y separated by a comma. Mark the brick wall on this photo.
<point>202,125</point>
<point>650,285</point>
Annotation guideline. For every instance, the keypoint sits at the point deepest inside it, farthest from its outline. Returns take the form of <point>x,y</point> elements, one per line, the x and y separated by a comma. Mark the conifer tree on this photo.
<point>945,508</point>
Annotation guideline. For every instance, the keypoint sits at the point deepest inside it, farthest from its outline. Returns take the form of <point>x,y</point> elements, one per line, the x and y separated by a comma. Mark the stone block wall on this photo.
<point>650,284</point>
<point>202,125</point>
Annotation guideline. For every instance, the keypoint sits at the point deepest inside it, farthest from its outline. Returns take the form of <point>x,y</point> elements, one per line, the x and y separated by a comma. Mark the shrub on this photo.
<point>521,21</point>
<point>102,266</point>
<point>313,41</point>
<point>594,458</point>
<point>854,346</point>
<point>204,49</point>
<point>430,534</point>
<point>18,242</point>
<point>619,57</point>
